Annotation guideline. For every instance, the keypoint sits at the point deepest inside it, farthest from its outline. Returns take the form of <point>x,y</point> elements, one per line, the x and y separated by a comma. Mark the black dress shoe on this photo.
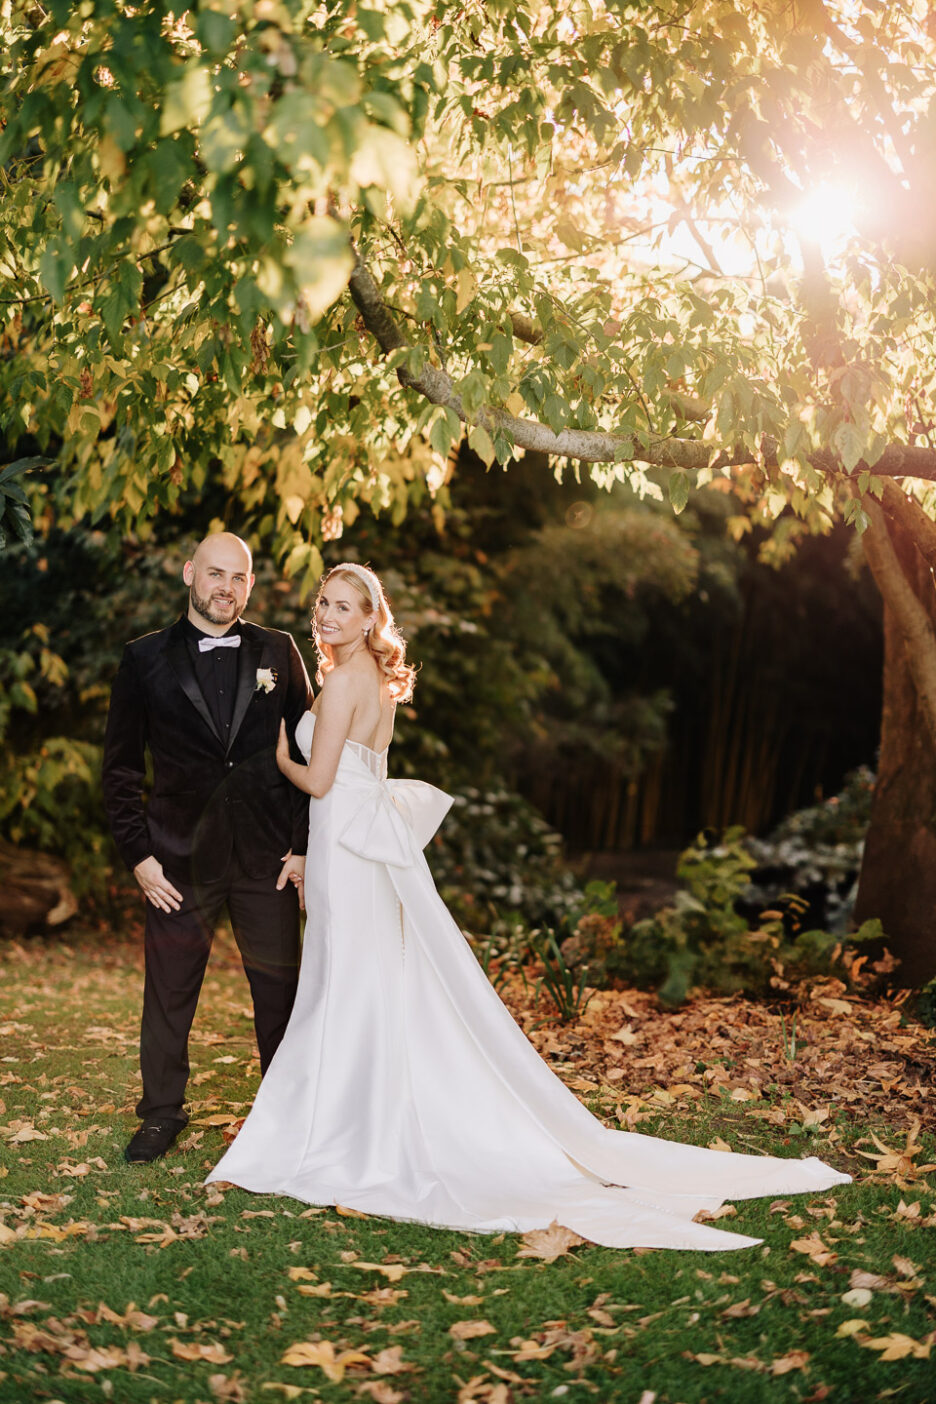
<point>153,1139</point>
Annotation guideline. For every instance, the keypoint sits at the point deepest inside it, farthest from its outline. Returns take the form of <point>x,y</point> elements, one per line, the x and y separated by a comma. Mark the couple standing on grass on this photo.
<point>394,1081</point>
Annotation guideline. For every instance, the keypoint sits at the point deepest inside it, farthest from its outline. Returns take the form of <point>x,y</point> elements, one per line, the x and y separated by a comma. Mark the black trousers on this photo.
<point>177,946</point>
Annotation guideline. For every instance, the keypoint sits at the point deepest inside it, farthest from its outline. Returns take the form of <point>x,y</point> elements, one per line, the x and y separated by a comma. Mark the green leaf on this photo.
<point>55,265</point>
<point>23,465</point>
<point>216,31</point>
<point>446,428</point>
<point>188,252</point>
<point>512,257</point>
<point>848,444</point>
<point>321,260</point>
<point>70,207</point>
<point>223,140</point>
<point>678,491</point>
<point>187,101</point>
<point>500,352</point>
<point>480,440</point>
<point>555,412</point>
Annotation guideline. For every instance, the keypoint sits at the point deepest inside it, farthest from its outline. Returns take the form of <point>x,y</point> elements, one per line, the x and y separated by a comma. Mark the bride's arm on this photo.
<point>332,725</point>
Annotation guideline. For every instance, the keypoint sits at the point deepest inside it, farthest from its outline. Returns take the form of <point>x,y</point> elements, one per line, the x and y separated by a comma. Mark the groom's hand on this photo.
<point>156,886</point>
<point>293,870</point>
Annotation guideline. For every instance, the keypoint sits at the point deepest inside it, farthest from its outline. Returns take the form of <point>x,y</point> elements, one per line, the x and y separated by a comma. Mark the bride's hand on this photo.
<point>283,757</point>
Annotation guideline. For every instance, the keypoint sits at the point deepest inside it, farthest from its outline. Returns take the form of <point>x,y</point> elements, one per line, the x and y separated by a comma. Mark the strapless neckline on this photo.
<point>349,742</point>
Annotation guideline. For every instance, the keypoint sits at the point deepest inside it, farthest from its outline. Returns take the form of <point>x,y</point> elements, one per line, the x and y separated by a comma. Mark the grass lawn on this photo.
<point>137,1284</point>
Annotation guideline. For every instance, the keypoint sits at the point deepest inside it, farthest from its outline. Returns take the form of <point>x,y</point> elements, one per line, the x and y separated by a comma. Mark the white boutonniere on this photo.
<point>266,680</point>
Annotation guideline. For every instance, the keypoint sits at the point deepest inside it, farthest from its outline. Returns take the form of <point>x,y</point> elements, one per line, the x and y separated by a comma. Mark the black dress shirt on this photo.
<point>216,672</point>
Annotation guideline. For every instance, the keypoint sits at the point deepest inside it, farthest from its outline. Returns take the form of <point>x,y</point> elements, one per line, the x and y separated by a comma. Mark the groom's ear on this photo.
<point>188,572</point>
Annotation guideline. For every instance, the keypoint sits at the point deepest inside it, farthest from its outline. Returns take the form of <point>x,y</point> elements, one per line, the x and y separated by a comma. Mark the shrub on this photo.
<point>50,799</point>
<point>702,939</point>
<point>495,855</point>
<point>816,853</point>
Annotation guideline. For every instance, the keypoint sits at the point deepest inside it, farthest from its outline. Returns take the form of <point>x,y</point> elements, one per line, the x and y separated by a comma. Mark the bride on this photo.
<point>402,1086</point>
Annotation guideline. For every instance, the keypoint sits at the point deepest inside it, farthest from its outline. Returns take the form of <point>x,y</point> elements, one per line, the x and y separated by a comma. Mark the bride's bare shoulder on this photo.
<point>349,684</point>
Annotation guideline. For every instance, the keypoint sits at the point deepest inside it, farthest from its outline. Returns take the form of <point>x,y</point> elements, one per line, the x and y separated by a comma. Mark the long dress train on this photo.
<point>403,1087</point>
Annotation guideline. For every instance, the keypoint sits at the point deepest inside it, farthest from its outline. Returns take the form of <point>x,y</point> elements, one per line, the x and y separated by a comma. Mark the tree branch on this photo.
<point>912,619</point>
<point>594,445</point>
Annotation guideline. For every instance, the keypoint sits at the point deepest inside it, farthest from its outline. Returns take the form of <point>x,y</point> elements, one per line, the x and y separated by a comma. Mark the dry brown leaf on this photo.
<point>391,1271</point>
<point>855,1327</point>
<point>871,1280</point>
<point>383,1296</point>
<point>381,1392</point>
<point>133,1318</point>
<point>211,1351</point>
<point>94,1358</point>
<point>858,1297</point>
<point>481,1390</point>
<point>837,1006</point>
<point>468,1330</point>
<point>323,1356</point>
<point>389,1361</point>
<point>229,1389</point>
<point>814,1247</point>
<point>724,1211</point>
<point>549,1243</point>
<point>25,1134</point>
<point>741,1309</point>
<point>897,1346</point>
<point>795,1360</point>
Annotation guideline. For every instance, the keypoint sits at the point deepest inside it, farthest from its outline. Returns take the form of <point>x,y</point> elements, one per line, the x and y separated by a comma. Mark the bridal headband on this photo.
<point>365,574</point>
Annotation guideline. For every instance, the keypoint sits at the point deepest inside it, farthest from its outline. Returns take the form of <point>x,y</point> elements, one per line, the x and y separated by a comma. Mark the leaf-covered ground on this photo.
<point>138,1284</point>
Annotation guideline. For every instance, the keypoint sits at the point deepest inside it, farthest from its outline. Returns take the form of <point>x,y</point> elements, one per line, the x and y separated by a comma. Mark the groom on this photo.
<point>222,827</point>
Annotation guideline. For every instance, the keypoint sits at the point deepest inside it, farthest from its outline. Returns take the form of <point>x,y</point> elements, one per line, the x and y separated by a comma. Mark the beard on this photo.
<point>215,611</point>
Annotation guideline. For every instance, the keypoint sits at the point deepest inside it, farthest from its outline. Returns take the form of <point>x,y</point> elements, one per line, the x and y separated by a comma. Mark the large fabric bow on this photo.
<point>395,821</point>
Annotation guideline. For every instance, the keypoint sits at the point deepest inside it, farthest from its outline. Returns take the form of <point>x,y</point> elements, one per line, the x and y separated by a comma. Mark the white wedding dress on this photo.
<point>404,1088</point>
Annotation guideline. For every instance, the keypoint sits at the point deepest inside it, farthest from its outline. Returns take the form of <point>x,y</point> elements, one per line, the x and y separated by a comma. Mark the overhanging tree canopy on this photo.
<point>314,243</point>
<point>592,229</point>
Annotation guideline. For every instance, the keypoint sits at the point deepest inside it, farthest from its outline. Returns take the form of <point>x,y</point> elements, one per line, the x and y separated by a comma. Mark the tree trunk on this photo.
<point>898,873</point>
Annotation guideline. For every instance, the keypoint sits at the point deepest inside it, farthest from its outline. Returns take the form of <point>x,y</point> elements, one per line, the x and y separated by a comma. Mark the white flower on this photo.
<point>266,679</point>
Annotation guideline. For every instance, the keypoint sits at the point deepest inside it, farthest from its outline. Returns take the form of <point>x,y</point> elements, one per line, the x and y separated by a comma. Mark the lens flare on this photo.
<point>826,216</point>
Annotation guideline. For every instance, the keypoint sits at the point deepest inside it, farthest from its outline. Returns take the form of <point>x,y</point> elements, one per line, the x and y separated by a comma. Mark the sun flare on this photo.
<point>826,216</point>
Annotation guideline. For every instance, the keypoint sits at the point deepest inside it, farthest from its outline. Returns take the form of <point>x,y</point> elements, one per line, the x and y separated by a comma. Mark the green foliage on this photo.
<point>816,853</point>
<point>575,951</point>
<point>702,940</point>
<point>14,504</point>
<point>181,192</point>
<point>495,855</point>
<point>51,800</point>
<point>30,660</point>
<point>565,987</point>
<point>925,1004</point>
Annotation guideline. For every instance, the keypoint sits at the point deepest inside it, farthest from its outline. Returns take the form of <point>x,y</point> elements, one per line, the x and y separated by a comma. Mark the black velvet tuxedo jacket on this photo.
<point>210,799</point>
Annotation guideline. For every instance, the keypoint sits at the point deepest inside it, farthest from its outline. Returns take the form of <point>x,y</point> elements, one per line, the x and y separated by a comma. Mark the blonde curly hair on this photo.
<point>383,640</point>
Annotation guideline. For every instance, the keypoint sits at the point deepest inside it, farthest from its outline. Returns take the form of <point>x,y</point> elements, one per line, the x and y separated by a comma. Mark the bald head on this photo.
<point>220,578</point>
<point>223,543</point>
